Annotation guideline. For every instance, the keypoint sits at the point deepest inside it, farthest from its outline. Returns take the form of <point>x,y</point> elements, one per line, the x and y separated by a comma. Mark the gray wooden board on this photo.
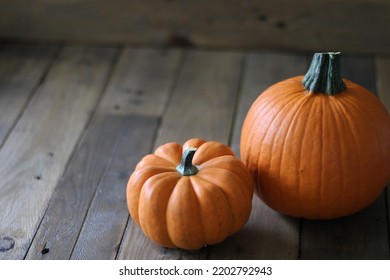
<point>299,24</point>
<point>360,236</point>
<point>38,148</point>
<point>21,69</point>
<point>142,82</point>
<point>60,227</point>
<point>203,102</point>
<point>382,70</point>
<point>267,235</point>
<point>202,105</point>
<point>107,216</point>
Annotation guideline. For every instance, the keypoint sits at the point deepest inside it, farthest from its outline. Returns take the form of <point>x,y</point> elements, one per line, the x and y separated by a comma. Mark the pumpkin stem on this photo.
<point>186,168</point>
<point>324,74</point>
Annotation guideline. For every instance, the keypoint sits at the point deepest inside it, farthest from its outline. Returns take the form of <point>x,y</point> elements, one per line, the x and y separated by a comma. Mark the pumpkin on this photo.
<point>190,196</point>
<point>317,146</point>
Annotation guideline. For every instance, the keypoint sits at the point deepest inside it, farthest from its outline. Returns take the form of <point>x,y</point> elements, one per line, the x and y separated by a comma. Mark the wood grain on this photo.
<point>382,70</point>
<point>107,216</point>
<point>360,236</point>
<point>299,25</point>
<point>22,67</point>
<point>142,82</point>
<point>203,102</point>
<point>37,150</point>
<point>267,235</point>
<point>64,217</point>
<point>149,71</point>
<point>202,105</point>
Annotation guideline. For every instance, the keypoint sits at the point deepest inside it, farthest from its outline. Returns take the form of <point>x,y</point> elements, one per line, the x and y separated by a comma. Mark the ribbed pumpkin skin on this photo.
<point>317,156</point>
<point>190,212</point>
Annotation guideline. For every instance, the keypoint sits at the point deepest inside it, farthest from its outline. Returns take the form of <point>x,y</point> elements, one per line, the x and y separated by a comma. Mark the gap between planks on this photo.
<point>104,149</point>
<point>38,148</point>
<point>249,84</point>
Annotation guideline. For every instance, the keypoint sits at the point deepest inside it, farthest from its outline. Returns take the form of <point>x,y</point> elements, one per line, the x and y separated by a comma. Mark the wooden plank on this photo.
<point>202,105</point>
<point>360,236</point>
<point>359,69</point>
<point>21,69</point>
<point>382,71</point>
<point>299,25</point>
<point>66,212</point>
<point>142,82</point>
<point>36,152</point>
<point>267,235</point>
<point>150,71</point>
<point>107,216</point>
<point>204,99</point>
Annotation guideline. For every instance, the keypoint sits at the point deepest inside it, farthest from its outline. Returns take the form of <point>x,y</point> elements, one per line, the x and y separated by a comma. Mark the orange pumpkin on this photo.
<point>190,196</point>
<point>317,146</point>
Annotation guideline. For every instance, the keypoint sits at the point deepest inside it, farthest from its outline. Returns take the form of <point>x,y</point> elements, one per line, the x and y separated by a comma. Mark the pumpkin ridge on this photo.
<point>197,187</point>
<point>166,152</point>
<point>219,164</point>
<point>257,112</point>
<point>237,224</point>
<point>322,160</point>
<point>156,160</point>
<point>202,232</point>
<point>298,108</point>
<point>153,182</point>
<point>249,141</point>
<point>370,101</point>
<point>280,111</point>
<point>337,121</point>
<point>238,176</point>
<point>299,185</point>
<point>213,150</point>
<point>347,110</point>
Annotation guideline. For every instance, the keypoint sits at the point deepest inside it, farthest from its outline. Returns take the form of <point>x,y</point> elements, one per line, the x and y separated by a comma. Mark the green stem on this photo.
<point>186,168</point>
<point>324,74</point>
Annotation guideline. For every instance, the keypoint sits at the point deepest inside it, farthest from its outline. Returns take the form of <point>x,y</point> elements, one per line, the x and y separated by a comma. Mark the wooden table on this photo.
<point>74,121</point>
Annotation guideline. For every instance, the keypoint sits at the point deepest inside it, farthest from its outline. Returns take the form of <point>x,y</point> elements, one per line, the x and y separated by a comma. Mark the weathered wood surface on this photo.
<point>21,71</point>
<point>202,105</point>
<point>382,70</point>
<point>37,150</point>
<point>142,79</point>
<point>90,114</point>
<point>300,25</point>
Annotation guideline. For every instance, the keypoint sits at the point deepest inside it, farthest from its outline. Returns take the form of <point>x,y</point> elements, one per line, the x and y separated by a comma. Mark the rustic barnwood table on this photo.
<point>74,121</point>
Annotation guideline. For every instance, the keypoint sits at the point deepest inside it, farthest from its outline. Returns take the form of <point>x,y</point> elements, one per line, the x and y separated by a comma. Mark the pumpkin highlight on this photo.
<point>190,196</point>
<point>317,146</point>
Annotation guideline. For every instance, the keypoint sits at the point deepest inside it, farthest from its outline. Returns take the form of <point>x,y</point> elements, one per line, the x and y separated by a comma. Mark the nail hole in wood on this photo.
<point>6,243</point>
<point>45,250</point>
<point>281,24</point>
<point>262,18</point>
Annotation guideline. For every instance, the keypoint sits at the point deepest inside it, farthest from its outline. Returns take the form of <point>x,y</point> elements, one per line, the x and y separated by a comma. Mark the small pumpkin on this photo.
<point>317,146</point>
<point>190,196</point>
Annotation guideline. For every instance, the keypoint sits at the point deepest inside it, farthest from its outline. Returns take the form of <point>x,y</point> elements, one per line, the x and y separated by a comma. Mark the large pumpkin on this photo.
<point>190,196</point>
<point>318,146</point>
